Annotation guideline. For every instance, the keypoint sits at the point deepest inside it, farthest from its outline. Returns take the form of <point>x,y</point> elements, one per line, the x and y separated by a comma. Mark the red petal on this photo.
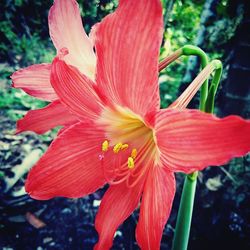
<point>71,166</point>
<point>127,46</point>
<point>66,30</point>
<point>117,204</point>
<point>155,208</point>
<point>42,120</point>
<point>75,90</point>
<point>35,81</point>
<point>191,140</point>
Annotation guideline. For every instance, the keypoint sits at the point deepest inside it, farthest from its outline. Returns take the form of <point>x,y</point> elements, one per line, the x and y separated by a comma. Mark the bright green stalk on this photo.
<point>184,217</point>
<point>209,105</point>
<point>190,50</point>
<point>193,50</point>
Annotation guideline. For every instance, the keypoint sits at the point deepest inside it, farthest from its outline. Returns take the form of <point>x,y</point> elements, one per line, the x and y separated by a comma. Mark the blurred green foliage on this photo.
<point>182,29</point>
<point>24,32</point>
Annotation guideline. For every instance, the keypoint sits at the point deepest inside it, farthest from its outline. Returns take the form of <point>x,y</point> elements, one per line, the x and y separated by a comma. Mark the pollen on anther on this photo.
<point>105,146</point>
<point>134,153</point>
<point>117,147</point>
<point>124,146</point>
<point>131,163</point>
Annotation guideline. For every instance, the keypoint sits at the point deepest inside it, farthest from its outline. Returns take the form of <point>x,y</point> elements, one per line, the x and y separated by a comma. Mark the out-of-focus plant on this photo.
<point>182,29</point>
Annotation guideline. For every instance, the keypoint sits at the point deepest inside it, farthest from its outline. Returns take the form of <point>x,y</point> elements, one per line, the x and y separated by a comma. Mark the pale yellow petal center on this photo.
<point>127,130</point>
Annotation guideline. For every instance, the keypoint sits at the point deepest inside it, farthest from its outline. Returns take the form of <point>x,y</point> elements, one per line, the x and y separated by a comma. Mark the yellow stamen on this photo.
<point>105,146</point>
<point>117,147</point>
<point>134,153</point>
<point>124,146</point>
<point>131,163</point>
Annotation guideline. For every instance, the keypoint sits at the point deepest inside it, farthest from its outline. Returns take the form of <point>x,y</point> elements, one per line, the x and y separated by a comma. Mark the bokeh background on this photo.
<point>221,218</point>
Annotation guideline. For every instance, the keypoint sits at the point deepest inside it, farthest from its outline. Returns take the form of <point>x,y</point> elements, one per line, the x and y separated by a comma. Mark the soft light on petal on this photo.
<point>155,208</point>
<point>117,204</point>
<point>66,30</point>
<point>71,167</point>
<point>127,46</point>
<point>191,140</point>
<point>42,120</point>
<point>35,81</point>
<point>75,90</point>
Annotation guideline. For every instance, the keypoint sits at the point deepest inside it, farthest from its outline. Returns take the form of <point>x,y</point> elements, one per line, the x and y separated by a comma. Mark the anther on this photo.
<point>124,146</point>
<point>134,153</point>
<point>105,146</point>
<point>131,163</point>
<point>117,147</point>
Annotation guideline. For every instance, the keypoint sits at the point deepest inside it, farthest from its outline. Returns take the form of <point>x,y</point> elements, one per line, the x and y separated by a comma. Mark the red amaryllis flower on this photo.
<point>123,137</point>
<point>65,26</point>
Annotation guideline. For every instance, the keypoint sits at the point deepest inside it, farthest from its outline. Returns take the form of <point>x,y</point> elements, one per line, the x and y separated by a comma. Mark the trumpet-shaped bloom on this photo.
<point>66,30</point>
<point>123,138</point>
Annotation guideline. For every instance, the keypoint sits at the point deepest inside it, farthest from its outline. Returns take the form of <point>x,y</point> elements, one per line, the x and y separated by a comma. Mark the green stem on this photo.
<point>193,50</point>
<point>190,50</point>
<point>184,218</point>
<point>183,223</point>
<point>209,105</point>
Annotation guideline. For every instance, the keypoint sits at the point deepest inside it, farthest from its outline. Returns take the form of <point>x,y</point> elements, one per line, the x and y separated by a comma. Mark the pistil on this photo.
<point>132,143</point>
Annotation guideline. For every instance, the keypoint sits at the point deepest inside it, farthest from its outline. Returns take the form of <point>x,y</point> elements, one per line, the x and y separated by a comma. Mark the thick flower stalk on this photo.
<point>122,137</point>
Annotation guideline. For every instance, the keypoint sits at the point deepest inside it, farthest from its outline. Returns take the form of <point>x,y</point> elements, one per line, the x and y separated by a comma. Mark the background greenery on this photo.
<point>220,27</point>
